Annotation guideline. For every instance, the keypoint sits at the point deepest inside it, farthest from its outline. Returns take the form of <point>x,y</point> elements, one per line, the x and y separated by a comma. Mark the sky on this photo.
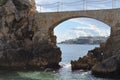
<point>76,27</point>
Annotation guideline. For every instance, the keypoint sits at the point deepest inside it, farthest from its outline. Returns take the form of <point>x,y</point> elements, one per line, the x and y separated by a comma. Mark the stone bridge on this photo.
<point>46,22</point>
<point>27,39</point>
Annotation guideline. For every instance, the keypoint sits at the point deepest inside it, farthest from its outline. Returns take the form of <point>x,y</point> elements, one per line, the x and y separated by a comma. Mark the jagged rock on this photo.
<point>46,56</point>
<point>88,61</point>
<point>109,68</point>
<point>17,35</point>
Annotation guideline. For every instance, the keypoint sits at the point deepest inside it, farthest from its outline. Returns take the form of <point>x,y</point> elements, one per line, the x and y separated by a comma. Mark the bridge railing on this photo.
<point>79,5</point>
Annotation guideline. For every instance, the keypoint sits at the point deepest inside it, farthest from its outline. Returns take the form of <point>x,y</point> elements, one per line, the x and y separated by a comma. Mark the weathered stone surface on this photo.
<point>88,61</point>
<point>108,68</point>
<point>46,55</point>
<point>13,33</point>
<point>27,38</point>
<point>18,36</point>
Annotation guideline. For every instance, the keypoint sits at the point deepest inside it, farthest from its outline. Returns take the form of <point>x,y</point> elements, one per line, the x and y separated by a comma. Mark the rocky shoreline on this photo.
<point>26,45</point>
<point>88,61</point>
<point>20,44</point>
<point>100,67</point>
<point>109,68</point>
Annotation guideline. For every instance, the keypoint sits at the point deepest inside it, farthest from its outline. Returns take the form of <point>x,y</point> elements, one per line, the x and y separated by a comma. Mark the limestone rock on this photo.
<point>88,61</point>
<point>47,55</point>
<point>17,36</point>
<point>108,68</point>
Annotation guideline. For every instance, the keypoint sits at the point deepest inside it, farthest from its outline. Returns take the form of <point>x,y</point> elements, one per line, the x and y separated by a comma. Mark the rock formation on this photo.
<point>88,61</point>
<point>27,45</point>
<point>100,62</point>
<point>110,65</point>
<point>108,68</point>
<point>19,47</point>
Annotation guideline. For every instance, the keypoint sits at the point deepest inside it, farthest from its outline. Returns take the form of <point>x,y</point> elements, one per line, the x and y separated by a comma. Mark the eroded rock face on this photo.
<point>17,48</point>
<point>108,68</point>
<point>88,61</point>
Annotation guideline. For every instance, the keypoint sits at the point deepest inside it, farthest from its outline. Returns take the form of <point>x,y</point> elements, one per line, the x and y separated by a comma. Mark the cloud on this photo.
<point>42,9</point>
<point>67,35</point>
<point>91,31</point>
<point>88,29</point>
<point>99,5</point>
<point>77,5</point>
<point>85,27</point>
<point>91,27</point>
<point>46,6</point>
<point>71,34</point>
<point>47,1</point>
<point>81,33</point>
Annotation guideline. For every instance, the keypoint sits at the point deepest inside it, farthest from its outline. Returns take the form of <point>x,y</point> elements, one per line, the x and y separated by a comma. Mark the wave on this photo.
<point>65,65</point>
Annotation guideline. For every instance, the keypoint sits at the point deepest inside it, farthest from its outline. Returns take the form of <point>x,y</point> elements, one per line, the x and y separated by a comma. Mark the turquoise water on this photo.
<point>70,52</point>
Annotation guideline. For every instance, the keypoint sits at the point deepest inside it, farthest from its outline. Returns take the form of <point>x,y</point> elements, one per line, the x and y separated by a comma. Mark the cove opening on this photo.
<point>77,36</point>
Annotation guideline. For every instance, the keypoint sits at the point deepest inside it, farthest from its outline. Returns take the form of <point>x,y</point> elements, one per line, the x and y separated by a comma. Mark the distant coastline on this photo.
<point>86,40</point>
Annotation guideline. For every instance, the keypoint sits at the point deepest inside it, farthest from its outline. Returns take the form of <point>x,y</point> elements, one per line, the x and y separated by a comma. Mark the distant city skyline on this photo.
<point>76,27</point>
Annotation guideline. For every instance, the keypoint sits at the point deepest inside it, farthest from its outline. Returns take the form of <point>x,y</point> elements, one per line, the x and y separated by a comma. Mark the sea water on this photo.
<point>69,52</point>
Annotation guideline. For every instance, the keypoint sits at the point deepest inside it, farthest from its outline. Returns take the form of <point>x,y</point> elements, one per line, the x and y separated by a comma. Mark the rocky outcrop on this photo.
<point>27,41</point>
<point>45,55</point>
<point>17,36</point>
<point>100,62</point>
<point>108,68</point>
<point>88,61</point>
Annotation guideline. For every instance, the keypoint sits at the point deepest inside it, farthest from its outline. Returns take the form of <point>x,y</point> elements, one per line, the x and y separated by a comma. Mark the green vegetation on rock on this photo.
<point>19,5</point>
<point>2,2</point>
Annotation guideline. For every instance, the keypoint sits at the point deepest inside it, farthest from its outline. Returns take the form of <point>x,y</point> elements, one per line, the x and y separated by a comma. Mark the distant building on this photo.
<point>86,40</point>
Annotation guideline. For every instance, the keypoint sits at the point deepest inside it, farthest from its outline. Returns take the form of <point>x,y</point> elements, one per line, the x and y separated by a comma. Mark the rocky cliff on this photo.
<point>17,30</point>
<point>27,45</point>
<point>88,61</point>
<point>103,61</point>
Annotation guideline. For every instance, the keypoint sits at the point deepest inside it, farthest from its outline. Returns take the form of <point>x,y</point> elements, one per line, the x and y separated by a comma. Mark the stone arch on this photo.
<point>47,21</point>
<point>67,18</point>
<point>51,28</point>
